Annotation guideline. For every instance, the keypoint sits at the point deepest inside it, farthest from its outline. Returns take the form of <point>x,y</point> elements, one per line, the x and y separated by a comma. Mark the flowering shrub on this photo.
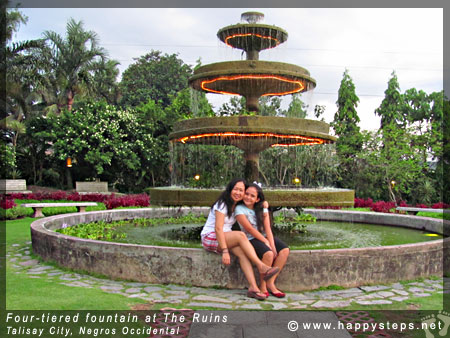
<point>440,205</point>
<point>140,200</point>
<point>382,206</point>
<point>111,201</point>
<point>362,203</point>
<point>403,204</point>
<point>420,205</point>
<point>7,202</point>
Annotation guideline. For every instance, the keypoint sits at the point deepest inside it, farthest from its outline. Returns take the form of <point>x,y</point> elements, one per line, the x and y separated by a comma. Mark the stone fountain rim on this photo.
<point>250,64</point>
<point>252,67</point>
<point>40,224</point>
<point>158,264</point>
<point>253,25</point>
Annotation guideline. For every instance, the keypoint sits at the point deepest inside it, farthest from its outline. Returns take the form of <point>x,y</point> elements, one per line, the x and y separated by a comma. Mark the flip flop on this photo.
<point>269,273</point>
<point>278,294</point>
<point>256,295</point>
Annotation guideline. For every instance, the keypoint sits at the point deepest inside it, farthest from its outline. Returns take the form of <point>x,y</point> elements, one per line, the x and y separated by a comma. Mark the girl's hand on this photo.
<point>226,258</point>
<point>274,250</point>
<point>266,204</point>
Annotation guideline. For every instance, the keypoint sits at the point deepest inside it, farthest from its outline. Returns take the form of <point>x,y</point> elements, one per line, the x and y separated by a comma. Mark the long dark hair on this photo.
<point>258,207</point>
<point>225,196</point>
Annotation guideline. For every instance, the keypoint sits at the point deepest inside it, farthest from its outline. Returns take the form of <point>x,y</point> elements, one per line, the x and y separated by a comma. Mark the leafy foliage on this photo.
<point>154,77</point>
<point>7,160</point>
<point>70,63</point>
<point>345,125</point>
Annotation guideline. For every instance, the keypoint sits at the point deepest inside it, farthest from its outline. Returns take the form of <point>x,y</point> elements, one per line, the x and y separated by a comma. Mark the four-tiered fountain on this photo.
<point>253,78</point>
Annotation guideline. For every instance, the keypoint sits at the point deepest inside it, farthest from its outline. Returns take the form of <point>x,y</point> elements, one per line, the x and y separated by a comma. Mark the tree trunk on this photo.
<point>391,192</point>
<point>70,97</point>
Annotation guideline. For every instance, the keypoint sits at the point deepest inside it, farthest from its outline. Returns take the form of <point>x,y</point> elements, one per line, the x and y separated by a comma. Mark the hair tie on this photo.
<point>258,184</point>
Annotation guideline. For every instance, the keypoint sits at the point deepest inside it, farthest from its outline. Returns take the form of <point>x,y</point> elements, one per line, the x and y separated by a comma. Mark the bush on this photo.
<point>16,212</point>
<point>440,205</point>
<point>139,200</point>
<point>7,202</point>
<point>403,204</point>
<point>421,205</point>
<point>61,196</point>
<point>362,203</point>
<point>382,206</point>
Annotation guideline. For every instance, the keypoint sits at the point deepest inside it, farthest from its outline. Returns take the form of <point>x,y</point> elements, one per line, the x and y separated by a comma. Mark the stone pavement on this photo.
<point>18,257</point>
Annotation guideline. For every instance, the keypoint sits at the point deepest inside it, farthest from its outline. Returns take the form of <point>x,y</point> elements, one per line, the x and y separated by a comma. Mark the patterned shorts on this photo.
<point>210,243</point>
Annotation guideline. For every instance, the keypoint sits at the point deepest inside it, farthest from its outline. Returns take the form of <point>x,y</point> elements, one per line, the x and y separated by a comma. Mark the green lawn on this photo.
<point>21,291</point>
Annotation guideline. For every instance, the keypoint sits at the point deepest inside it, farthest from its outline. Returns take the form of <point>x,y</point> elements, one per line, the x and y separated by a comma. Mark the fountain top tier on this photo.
<point>252,37</point>
<point>252,78</point>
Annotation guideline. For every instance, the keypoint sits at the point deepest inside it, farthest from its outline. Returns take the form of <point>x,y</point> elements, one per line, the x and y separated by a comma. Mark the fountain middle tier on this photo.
<point>252,79</point>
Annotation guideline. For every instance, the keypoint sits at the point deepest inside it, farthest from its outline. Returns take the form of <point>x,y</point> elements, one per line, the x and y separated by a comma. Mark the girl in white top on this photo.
<point>254,221</point>
<point>218,237</point>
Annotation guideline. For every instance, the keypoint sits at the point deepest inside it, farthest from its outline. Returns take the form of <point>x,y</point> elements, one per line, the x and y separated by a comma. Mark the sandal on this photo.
<point>269,273</point>
<point>278,294</point>
<point>256,294</point>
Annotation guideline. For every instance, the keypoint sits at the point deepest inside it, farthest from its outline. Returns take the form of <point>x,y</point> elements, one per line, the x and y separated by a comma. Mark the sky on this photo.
<point>370,43</point>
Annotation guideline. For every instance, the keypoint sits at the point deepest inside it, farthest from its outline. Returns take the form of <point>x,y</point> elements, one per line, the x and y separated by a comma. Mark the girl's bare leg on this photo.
<point>238,238</point>
<point>268,260</point>
<point>246,267</point>
<point>280,262</point>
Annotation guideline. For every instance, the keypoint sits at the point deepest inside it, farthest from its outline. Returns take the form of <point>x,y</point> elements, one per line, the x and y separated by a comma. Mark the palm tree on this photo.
<point>71,61</point>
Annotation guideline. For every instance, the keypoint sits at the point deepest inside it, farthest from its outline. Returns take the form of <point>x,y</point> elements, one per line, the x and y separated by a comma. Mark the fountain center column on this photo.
<point>251,170</point>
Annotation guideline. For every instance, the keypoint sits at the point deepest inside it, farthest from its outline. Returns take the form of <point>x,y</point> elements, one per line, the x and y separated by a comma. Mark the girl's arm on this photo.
<point>220,219</point>
<point>269,234</point>
<point>242,219</point>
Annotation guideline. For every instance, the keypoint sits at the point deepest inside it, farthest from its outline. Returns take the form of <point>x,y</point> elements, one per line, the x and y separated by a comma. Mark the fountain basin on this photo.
<point>174,196</point>
<point>305,270</point>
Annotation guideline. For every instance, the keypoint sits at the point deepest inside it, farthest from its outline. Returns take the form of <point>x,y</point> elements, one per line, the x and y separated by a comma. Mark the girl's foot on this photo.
<point>270,273</point>
<point>256,294</point>
<point>267,271</point>
<point>276,293</point>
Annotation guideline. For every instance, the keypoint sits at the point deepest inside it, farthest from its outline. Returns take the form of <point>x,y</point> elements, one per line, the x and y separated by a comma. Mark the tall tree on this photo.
<point>71,61</point>
<point>391,107</point>
<point>154,77</point>
<point>297,108</point>
<point>345,125</point>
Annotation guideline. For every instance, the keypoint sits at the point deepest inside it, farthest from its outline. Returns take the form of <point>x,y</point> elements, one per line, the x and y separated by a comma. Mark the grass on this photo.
<point>21,290</point>
<point>445,216</point>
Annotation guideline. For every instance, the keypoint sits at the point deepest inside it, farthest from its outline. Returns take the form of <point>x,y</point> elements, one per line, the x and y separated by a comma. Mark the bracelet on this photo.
<point>225,251</point>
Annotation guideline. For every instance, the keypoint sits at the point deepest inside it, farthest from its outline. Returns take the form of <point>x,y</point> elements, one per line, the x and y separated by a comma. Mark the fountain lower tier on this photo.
<point>252,134</point>
<point>175,196</point>
<point>252,79</point>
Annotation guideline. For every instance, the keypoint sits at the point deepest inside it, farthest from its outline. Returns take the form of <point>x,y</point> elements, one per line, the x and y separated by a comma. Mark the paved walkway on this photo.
<point>223,299</point>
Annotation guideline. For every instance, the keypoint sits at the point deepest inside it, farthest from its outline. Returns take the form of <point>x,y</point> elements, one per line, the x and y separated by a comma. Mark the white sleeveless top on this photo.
<point>210,225</point>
